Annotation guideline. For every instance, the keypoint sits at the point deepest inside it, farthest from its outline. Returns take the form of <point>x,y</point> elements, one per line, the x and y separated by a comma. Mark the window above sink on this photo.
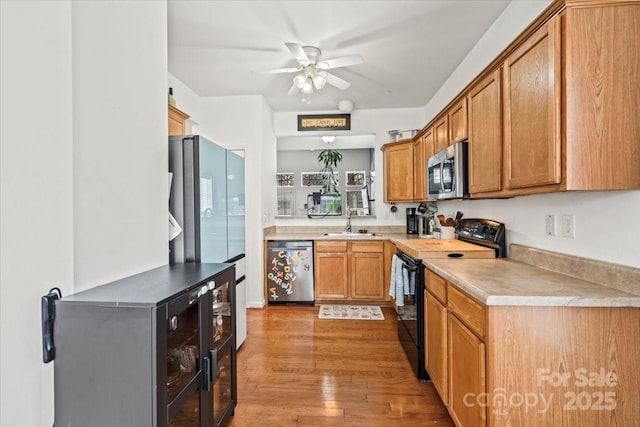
<point>298,168</point>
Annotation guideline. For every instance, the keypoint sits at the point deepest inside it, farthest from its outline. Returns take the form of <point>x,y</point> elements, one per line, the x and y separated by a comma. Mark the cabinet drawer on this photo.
<point>472,313</point>
<point>376,246</point>
<point>331,246</point>
<point>437,285</point>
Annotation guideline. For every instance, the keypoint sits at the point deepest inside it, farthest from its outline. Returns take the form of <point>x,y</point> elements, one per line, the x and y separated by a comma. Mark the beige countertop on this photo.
<point>531,277</point>
<point>507,282</point>
<point>436,248</point>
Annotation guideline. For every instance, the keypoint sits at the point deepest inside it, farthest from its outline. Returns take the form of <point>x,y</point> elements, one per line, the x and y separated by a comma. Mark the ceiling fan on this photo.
<point>312,71</point>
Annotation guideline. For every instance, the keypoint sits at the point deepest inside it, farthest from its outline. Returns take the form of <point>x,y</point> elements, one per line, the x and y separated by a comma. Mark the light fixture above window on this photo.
<point>328,138</point>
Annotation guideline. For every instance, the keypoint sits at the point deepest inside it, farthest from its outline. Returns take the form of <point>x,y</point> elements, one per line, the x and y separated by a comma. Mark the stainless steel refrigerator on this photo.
<point>207,199</point>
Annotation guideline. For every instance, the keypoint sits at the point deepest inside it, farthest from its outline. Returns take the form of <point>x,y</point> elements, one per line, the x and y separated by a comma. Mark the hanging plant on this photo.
<point>329,160</point>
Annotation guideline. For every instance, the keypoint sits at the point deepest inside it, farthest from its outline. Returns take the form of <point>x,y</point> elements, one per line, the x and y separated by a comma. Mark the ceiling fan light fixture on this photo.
<point>307,86</point>
<point>319,80</point>
<point>299,80</point>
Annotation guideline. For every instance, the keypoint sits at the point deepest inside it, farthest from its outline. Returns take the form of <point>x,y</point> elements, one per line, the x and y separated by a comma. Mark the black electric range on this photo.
<point>410,312</point>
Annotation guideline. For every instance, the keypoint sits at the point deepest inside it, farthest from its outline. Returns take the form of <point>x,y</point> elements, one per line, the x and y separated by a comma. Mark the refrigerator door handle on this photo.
<point>206,374</point>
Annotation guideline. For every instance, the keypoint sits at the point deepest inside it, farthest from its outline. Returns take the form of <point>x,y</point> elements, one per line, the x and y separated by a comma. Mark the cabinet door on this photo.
<point>398,172</point>
<point>435,327</point>
<point>485,135</point>
<point>177,121</point>
<point>441,132</point>
<point>467,381</point>
<point>331,275</point>
<point>367,272</point>
<point>428,144</point>
<point>602,97</point>
<point>532,92</point>
<point>419,170</point>
<point>458,121</point>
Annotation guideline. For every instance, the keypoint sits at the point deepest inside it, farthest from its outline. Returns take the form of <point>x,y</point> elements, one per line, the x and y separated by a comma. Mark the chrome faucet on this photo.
<point>348,226</point>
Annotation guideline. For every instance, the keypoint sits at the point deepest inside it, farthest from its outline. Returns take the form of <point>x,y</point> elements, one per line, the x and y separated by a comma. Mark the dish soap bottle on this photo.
<point>172,100</point>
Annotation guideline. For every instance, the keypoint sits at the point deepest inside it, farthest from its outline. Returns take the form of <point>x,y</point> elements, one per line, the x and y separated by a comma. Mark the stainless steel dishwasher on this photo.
<point>289,271</point>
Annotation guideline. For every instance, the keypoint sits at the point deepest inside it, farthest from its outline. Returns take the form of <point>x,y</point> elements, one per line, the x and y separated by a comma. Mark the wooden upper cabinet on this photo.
<point>532,89</point>
<point>422,150</point>
<point>457,117</point>
<point>398,171</point>
<point>419,168</point>
<point>441,133</point>
<point>428,140</point>
<point>485,135</point>
<point>602,60</point>
<point>177,121</point>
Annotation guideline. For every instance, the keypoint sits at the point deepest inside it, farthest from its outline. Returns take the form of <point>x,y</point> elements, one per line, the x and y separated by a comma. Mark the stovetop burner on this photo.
<point>483,232</point>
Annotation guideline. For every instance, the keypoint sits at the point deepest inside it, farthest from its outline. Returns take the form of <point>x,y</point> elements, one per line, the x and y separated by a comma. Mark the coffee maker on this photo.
<point>412,221</point>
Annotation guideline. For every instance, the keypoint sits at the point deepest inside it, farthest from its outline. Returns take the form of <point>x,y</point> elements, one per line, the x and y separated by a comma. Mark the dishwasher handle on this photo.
<point>289,244</point>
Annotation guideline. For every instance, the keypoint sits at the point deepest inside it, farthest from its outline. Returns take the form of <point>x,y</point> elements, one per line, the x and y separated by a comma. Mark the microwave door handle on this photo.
<point>441,177</point>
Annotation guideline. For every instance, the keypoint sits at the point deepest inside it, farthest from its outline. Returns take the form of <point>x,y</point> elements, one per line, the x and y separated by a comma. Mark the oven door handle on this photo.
<point>409,267</point>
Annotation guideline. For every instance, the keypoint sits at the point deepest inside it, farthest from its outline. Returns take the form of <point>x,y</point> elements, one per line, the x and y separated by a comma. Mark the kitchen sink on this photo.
<point>348,234</point>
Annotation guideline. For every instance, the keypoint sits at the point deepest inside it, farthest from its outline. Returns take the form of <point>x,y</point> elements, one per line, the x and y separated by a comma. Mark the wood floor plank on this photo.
<point>297,370</point>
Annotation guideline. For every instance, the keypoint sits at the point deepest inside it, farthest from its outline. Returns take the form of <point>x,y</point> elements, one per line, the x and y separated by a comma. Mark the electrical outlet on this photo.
<point>568,226</point>
<point>550,225</point>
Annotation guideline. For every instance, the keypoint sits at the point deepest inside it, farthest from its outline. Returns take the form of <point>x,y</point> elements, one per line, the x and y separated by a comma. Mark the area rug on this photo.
<point>350,312</point>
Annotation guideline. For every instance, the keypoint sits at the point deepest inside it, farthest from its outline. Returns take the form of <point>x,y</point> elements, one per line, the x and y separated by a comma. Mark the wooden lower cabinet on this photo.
<point>532,366</point>
<point>330,270</point>
<point>467,383</point>
<point>350,271</point>
<point>435,328</point>
<point>367,270</point>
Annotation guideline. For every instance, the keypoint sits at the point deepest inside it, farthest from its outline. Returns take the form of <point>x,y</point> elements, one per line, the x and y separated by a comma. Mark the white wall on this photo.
<point>601,221</point>
<point>600,216</point>
<point>36,248</point>
<point>120,153</point>
<point>83,152</point>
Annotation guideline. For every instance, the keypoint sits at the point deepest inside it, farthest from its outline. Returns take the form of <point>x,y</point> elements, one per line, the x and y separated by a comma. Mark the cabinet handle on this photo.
<point>206,374</point>
<point>213,355</point>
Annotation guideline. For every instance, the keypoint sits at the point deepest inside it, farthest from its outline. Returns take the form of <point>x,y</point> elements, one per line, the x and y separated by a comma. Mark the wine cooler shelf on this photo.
<point>154,349</point>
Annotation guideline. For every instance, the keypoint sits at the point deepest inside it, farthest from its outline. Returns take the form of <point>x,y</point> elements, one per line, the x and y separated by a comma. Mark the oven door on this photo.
<point>411,315</point>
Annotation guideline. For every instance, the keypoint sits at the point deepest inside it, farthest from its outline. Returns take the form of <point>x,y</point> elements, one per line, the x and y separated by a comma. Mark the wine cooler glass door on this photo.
<point>184,332</point>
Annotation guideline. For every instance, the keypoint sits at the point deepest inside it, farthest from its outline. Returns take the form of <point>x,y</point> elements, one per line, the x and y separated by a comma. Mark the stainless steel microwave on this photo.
<point>447,173</point>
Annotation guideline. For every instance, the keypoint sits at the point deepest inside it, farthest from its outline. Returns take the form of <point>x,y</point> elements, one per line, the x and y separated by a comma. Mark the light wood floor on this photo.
<point>297,370</point>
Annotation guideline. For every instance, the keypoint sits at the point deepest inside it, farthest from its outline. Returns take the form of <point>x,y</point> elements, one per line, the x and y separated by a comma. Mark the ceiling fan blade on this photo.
<point>293,90</point>
<point>343,61</point>
<point>298,53</point>
<point>282,70</point>
<point>337,81</point>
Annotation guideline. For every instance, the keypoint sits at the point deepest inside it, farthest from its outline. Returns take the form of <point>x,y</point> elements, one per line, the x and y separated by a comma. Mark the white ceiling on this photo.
<point>409,48</point>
